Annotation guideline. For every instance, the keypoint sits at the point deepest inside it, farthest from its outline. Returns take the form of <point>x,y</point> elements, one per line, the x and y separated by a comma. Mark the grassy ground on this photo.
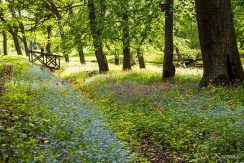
<point>44,119</point>
<point>162,121</point>
<point>166,121</point>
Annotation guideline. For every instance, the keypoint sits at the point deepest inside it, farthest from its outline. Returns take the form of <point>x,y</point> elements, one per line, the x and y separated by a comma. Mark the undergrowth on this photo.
<point>171,120</point>
<point>44,119</point>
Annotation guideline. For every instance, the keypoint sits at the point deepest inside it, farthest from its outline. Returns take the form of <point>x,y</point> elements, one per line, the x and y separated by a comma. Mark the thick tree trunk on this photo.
<point>97,40</point>
<point>126,42</point>
<point>82,56</point>
<point>221,60</point>
<point>49,33</point>
<point>168,66</point>
<point>140,58</point>
<point>5,43</point>
<point>14,34</point>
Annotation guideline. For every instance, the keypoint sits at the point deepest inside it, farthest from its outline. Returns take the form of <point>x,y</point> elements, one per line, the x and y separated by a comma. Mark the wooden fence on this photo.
<point>50,61</point>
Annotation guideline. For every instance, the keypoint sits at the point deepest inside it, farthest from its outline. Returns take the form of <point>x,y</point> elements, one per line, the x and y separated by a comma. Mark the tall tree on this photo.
<point>168,66</point>
<point>22,30</point>
<point>14,27</point>
<point>77,36</point>
<point>49,33</point>
<point>220,54</point>
<point>126,37</point>
<point>97,38</point>
<point>14,32</point>
<point>5,43</point>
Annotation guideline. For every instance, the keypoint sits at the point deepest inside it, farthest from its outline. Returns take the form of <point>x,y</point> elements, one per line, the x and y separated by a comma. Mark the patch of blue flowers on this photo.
<point>75,129</point>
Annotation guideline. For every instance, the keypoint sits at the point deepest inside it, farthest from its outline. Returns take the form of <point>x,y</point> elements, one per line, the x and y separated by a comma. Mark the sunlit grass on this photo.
<point>176,114</point>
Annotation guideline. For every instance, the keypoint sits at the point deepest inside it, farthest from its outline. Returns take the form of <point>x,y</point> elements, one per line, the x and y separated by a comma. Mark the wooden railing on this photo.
<point>50,61</point>
<point>190,61</point>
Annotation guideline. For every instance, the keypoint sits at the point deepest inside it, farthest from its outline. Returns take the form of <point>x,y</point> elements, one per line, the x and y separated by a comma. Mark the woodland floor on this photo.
<point>79,115</point>
<point>67,126</point>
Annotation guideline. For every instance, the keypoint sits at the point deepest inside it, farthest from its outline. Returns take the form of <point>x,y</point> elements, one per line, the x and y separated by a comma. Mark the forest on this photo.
<point>121,81</point>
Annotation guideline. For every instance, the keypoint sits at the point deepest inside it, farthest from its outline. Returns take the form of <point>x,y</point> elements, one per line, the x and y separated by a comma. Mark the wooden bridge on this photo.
<point>50,61</point>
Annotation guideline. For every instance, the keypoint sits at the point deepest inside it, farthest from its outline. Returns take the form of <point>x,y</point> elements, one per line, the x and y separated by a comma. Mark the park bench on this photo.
<point>50,61</point>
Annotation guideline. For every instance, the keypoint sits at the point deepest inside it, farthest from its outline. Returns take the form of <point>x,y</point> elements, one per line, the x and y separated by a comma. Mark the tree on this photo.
<point>168,66</point>
<point>5,43</point>
<point>220,54</point>
<point>49,33</point>
<point>97,38</point>
<point>126,37</point>
<point>76,33</point>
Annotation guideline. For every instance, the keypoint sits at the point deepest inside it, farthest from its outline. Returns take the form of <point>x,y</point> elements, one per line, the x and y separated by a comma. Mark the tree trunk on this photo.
<point>66,57</point>
<point>126,42</point>
<point>97,40</point>
<point>14,33</point>
<point>140,58</point>
<point>82,56</point>
<point>116,58</point>
<point>168,66</point>
<point>22,30</point>
<point>49,33</point>
<point>5,43</point>
<point>221,59</point>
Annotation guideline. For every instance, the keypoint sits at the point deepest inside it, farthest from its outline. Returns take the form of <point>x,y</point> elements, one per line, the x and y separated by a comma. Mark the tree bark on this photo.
<point>140,58</point>
<point>13,30</point>
<point>5,43</point>
<point>126,42</point>
<point>22,30</point>
<point>168,66</point>
<point>82,56</point>
<point>116,58</point>
<point>14,33</point>
<point>221,59</point>
<point>49,33</point>
<point>97,39</point>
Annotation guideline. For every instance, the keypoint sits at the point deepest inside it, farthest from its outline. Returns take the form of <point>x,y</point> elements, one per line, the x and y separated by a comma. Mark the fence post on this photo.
<point>42,54</point>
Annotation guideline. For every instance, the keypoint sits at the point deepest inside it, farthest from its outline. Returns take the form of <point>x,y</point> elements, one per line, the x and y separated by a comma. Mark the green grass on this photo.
<point>44,119</point>
<point>162,121</point>
<point>188,123</point>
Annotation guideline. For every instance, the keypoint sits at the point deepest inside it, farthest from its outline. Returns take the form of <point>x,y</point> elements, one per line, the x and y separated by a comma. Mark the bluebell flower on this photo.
<point>65,150</point>
<point>80,152</point>
<point>55,109</point>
